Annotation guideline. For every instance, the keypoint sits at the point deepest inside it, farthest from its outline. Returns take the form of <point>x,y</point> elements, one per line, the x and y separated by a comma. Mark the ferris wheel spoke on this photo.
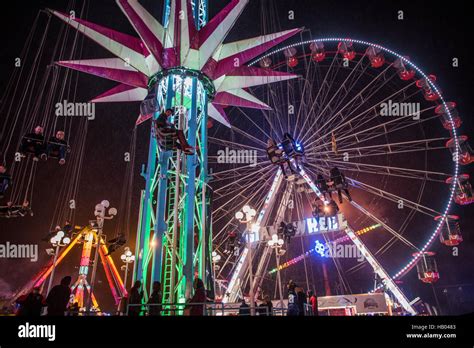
<point>394,232</point>
<point>251,177</point>
<point>385,170</point>
<point>260,191</point>
<point>251,120</point>
<point>387,148</point>
<point>323,91</point>
<point>347,86</point>
<point>360,101</point>
<point>357,100</point>
<point>240,187</point>
<point>250,137</point>
<point>230,174</point>
<point>343,87</point>
<point>375,218</point>
<point>272,94</point>
<point>394,198</point>
<point>306,95</point>
<point>361,134</point>
<point>382,129</point>
<point>232,144</point>
<point>387,245</point>
<point>365,118</point>
<point>350,119</point>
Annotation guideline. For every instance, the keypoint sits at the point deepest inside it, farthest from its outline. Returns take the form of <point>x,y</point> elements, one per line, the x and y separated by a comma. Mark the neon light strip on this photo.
<point>309,252</point>
<point>108,275</point>
<point>235,275</point>
<point>113,268</point>
<point>86,254</point>
<point>430,240</point>
<point>255,228</point>
<point>386,280</point>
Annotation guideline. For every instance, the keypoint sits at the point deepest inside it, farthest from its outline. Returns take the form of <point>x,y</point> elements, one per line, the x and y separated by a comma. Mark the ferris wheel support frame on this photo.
<point>377,267</point>
<point>387,281</point>
<point>243,265</point>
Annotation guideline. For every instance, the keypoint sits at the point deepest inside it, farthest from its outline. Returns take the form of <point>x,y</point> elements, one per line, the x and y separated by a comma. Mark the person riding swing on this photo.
<point>33,143</point>
<point>166,131</point>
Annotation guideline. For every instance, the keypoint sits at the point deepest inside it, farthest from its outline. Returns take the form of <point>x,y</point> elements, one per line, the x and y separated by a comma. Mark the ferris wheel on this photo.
<point>376,117</point>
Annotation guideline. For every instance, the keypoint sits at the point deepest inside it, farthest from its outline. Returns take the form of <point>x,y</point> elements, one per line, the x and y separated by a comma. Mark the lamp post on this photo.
<point>246,216</point>
<point>127,257</point>
<point>101,215</point>
<point>277,244</point>
<point>215,259</point>
<point>57,241</point>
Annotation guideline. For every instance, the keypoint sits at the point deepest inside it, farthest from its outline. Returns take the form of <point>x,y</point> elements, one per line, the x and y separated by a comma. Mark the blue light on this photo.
<point>320,248</point>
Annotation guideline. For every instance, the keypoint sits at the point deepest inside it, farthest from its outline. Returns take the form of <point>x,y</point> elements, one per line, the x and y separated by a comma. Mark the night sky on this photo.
<point>431,35</point>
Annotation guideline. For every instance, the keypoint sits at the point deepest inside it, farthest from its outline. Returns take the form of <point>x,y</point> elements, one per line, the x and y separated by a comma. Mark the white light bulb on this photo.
<point>105,203</point>
<point>132,258</point>
<point>214,254</point>
<point>252,212</point>
<point>128,253</point>
<point>66,240</point>
<point>246,208</point>
<point>239,215</point>
<point>53,240</point>
<point>60,234</point>
<point>123,257</point>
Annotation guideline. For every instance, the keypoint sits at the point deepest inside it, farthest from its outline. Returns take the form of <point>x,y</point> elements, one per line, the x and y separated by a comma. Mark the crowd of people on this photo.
<point>59,302</point>
<point>300,303</point>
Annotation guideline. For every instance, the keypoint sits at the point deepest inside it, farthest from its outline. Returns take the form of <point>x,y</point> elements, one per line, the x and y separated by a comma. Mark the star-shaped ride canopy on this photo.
<point>179,44</point>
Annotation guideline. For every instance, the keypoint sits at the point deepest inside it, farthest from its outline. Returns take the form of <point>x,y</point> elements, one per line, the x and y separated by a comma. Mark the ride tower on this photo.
<point>175,202</point>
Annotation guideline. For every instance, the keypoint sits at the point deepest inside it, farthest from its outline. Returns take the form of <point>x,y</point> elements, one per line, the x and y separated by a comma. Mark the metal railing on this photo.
<point>203,309</point>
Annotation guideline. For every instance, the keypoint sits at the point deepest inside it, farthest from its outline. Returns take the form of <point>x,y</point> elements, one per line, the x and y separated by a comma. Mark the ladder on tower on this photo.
<point>168,243</point>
